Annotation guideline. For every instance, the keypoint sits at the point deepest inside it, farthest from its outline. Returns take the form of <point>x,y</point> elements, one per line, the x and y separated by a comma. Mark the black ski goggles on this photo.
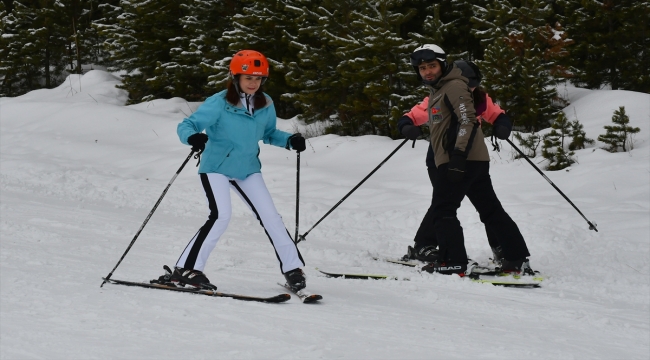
<point>423,56</point>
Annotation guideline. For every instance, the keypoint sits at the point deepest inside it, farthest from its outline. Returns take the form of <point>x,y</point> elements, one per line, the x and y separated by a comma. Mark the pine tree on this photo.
<point>634,61</point>
<point>461,40</point>
<point>207,21</point>
<point>92,42</point>
<point>521,59</point>
<point>318,87</point>
<point>19,72</point>
<point>260,26</point>
<point>7,5</point>
<point>375,61</point>
<point>553,145</point>
<point>352,65</point>
<point>106,26</point>
<point>434,30</point>
<point>448,24</point>
<point>529,143</point>
<point>34,41</point>
<point>195,50</point>
<point>579,138</point>
<point>72,17</point>
<point>140,45</point>
<point>419,20</point>
<point>85,43</point>
<point>50,35</point>
<point>611,42</point>
<point>619,136</point>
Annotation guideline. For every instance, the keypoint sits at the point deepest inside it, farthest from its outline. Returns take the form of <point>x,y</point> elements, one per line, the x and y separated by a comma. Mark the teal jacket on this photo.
<point>233,135</point>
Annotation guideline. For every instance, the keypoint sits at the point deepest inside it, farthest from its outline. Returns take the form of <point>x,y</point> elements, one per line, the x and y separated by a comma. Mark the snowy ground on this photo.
<point>80,172</point>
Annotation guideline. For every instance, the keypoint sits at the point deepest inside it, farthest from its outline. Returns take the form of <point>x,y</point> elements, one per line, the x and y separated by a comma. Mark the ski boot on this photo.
<point>428,253</point>
<point>519,266</point>
<point>410,254</point>
<point>295,279</point>
<point>497,256</point>
<point>446,268</point>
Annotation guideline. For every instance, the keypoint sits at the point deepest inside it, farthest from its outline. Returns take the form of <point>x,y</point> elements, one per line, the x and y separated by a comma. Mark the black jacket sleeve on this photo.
<point>403,121</point>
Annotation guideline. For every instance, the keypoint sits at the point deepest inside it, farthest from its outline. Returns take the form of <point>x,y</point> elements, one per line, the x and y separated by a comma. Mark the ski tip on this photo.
<point>312,299</point>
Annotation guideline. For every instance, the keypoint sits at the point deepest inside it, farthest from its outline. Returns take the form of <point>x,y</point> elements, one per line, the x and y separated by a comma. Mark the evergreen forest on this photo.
<point>341,62</point>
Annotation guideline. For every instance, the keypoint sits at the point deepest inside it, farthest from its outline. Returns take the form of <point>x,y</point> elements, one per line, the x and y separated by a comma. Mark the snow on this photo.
<point>80,171</point>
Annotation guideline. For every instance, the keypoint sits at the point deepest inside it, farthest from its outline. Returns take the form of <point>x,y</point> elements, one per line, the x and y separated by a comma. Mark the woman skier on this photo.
<point>234,121</point>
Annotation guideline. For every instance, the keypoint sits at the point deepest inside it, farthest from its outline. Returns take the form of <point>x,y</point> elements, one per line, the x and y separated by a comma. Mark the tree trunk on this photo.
<point>47,66</point>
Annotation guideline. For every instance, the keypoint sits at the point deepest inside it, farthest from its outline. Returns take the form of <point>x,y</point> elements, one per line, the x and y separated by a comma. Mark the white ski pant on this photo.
<point>254,193</point>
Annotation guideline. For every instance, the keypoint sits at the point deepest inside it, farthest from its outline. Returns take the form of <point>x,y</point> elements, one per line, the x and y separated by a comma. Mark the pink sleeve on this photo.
<point>419,113</point>
<point>492,111</point>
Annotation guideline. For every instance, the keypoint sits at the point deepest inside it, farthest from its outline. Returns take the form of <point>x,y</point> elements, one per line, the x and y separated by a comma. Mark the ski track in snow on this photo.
<point>79,174</point>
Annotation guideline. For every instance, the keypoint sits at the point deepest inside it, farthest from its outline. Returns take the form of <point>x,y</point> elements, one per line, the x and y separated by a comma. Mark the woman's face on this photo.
<point>250,84</point>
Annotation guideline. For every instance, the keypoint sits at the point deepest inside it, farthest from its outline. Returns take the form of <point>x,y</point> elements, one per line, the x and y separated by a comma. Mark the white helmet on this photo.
<point>426,53</point>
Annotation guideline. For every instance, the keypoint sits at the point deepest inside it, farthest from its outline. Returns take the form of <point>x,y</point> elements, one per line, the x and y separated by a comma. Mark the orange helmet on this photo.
<point>249,62</point>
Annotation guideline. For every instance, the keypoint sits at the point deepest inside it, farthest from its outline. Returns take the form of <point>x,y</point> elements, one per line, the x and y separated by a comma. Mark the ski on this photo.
<point>479,272</point>
<point>358,276</point>
<point>411,263</point>
<point>476,269</point>
<point>506,280</point>
<point>512,282</point>
<point>305,297</point>
<point>273,299</point>
<point>473,269</point>
<point>484,271</point>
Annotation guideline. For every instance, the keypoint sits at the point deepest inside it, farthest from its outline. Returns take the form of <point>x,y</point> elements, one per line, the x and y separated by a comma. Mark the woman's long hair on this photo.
<point>479,96</point>
<point>232,96</point>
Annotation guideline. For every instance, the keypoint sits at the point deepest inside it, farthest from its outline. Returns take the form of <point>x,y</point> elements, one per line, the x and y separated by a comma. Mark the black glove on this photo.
<point>198,141</point>
<point>456,169</point>
<point>297,142</point>
<point>411,132</point>
<point>502,127</point>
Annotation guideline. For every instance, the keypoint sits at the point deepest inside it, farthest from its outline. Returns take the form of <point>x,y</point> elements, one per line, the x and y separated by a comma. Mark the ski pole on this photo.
<point>592,226</point>
<point>297,195</point>
<point>302,237</point>
<point>149,216</point>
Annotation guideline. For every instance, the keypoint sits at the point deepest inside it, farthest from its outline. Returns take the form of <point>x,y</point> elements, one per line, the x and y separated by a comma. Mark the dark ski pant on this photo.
<point>476,185</point>
<point>426,236</point>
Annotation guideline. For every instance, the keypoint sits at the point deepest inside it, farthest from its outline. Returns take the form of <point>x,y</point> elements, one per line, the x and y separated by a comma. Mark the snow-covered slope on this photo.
<point>80,171</point>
